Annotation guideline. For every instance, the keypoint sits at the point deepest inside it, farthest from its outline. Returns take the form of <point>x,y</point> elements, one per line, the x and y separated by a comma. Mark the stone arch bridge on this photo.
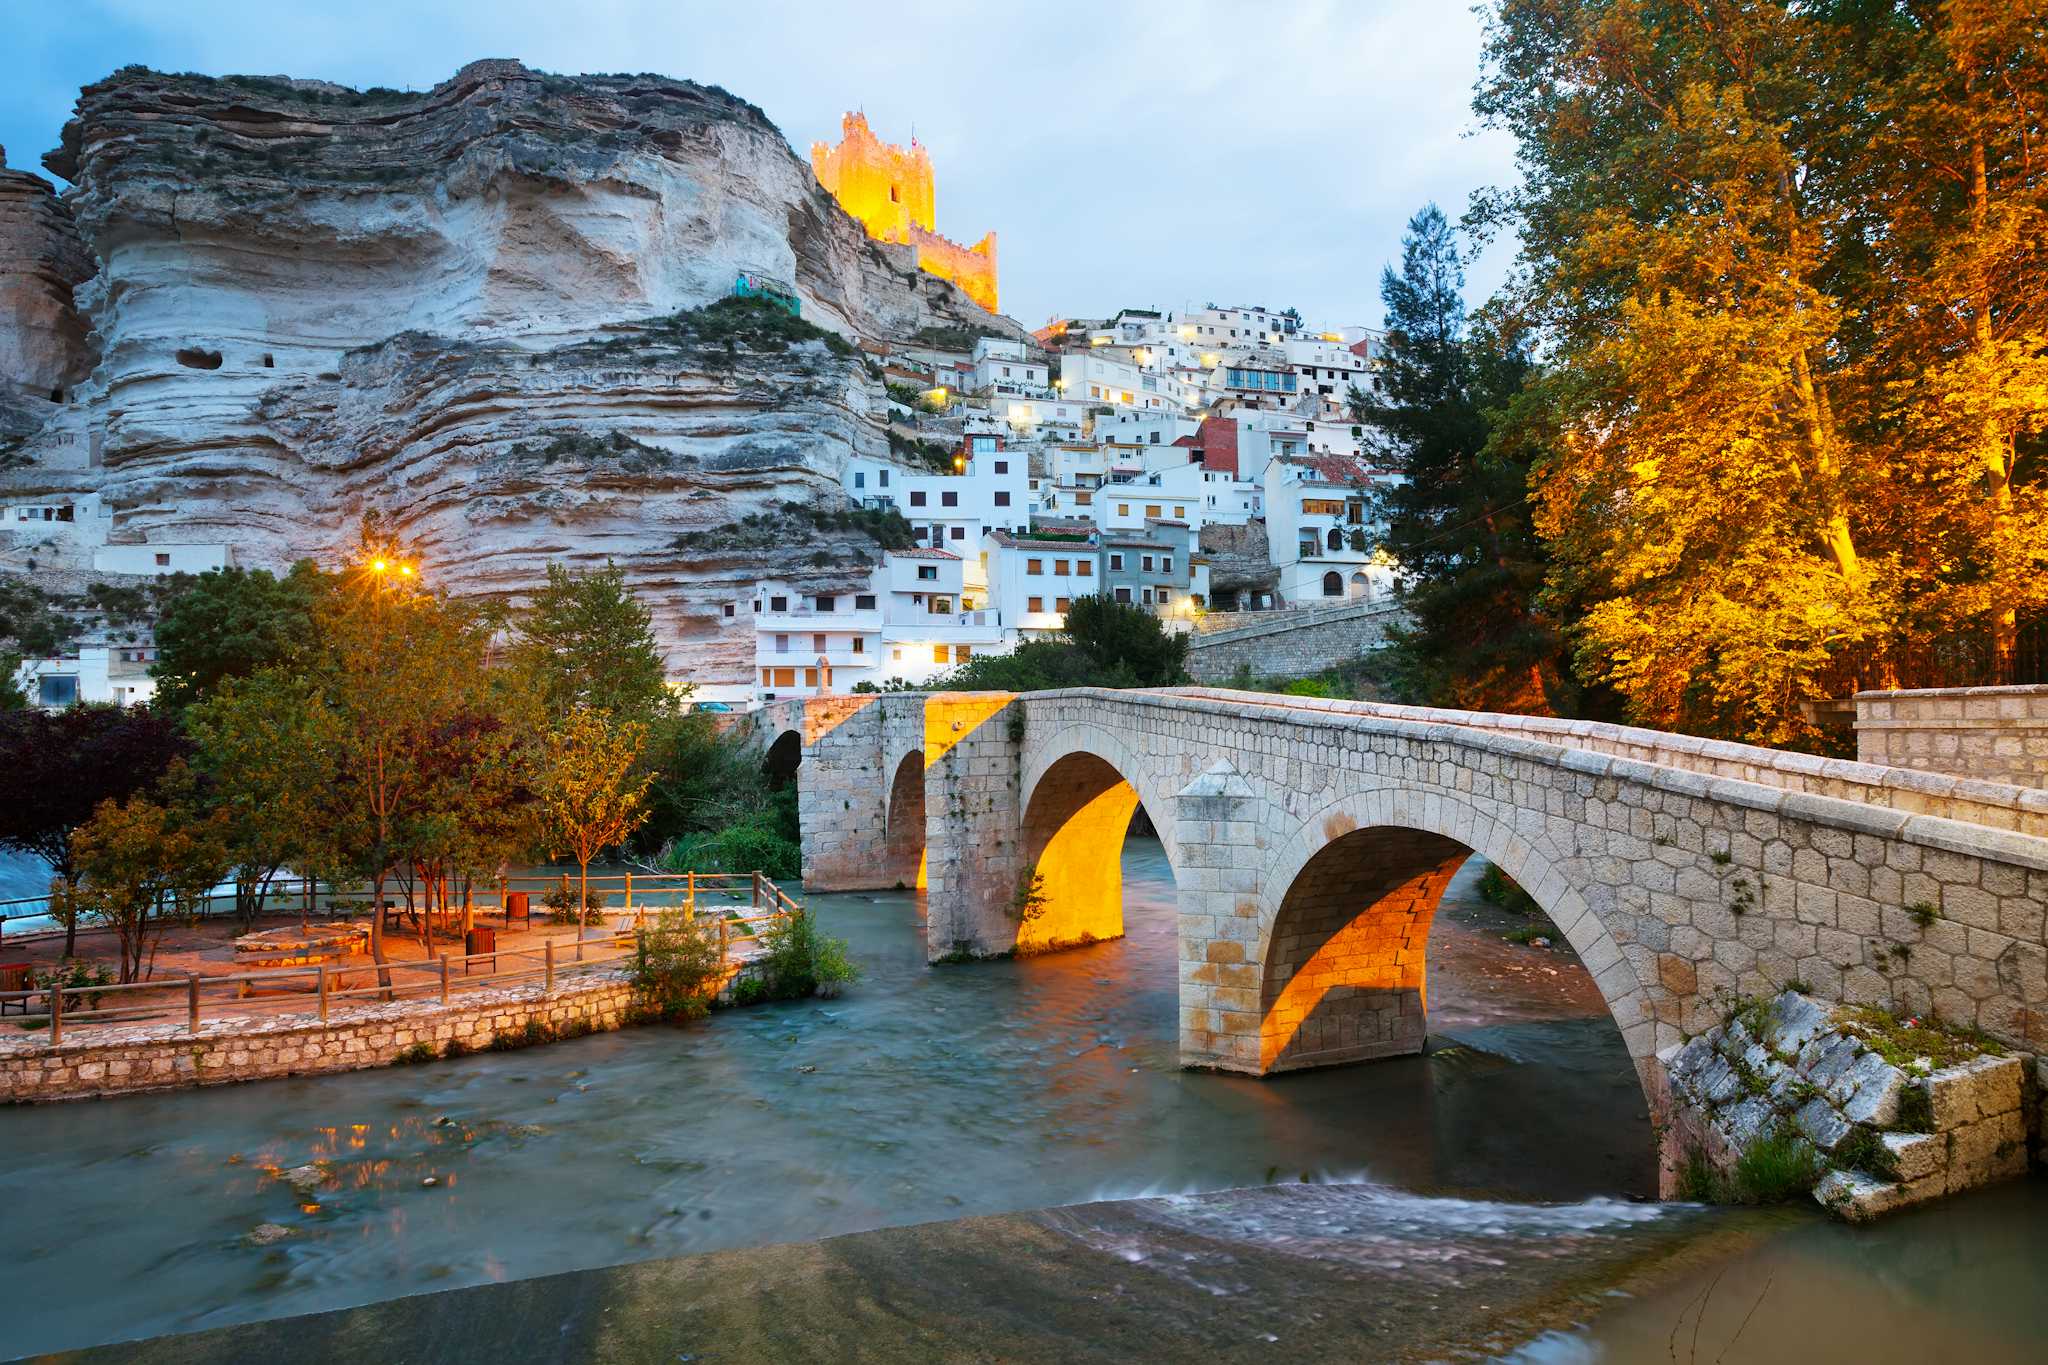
<point>1310,841</point>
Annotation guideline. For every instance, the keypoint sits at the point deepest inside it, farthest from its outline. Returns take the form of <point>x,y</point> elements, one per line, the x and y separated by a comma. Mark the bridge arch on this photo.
<point>1345,919</point>
<point>903,828</point>
<point>783,757</point>
<point>1080,791</point>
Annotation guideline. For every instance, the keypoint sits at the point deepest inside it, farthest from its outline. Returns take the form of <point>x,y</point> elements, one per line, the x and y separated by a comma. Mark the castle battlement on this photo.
<point>892,192</point>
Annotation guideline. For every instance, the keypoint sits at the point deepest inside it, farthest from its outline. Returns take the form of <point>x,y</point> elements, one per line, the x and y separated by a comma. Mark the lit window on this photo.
<point>810,677</point>
<point>1123,509</point>
<point>1151,509</point>
<point>938,654</point>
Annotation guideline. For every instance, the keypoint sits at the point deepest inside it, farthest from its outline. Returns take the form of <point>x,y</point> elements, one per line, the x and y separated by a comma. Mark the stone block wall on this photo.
<point>1993,734</point>
<point>974,852</point>
<point>1290,644</point>
<point>107,1060</point>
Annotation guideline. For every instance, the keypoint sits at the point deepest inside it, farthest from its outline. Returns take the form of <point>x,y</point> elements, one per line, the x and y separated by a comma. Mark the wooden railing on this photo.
<point>445,976</point>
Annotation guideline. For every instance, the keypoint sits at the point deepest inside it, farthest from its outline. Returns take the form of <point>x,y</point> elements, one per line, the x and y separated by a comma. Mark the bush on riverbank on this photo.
<point>799,962</point>
<point>676,962</point>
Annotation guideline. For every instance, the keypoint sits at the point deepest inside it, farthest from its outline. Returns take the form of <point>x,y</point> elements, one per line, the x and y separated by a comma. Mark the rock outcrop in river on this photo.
<point>476,309</point>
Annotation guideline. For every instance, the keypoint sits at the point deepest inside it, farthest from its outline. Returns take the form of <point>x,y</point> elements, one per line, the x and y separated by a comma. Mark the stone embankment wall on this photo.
<point>1284,644</point>
<point>1993,734</point>
<point>100,1061</point>
<point>1890,1135</point>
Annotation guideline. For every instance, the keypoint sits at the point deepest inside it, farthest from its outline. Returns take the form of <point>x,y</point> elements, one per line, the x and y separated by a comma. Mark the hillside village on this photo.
<point>1204,464</point>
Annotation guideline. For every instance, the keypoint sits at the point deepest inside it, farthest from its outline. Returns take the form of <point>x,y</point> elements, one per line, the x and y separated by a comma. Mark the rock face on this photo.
<point>460,308</point>
<point>42,338</point>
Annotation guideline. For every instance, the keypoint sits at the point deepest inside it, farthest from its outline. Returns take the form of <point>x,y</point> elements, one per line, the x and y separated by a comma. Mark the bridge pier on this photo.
<point>974,857</point>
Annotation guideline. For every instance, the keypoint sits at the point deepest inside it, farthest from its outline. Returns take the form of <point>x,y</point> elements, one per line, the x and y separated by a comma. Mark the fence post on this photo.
<point>56,1015</point>
<point>722,936</point>
<point>629,890</point>
<point>756,901</point>
<point>323,992</point>
<point>693,890</point>
<point>444,978</point>
<point>579,943</point>
<point>192,1001</point>
<point>548,977</point>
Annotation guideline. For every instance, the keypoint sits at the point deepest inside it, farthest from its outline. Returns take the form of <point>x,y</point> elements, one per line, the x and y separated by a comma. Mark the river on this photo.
<point>920,1095</point>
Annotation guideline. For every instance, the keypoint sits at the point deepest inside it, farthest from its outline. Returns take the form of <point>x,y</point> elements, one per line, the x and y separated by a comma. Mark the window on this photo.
<point>1335,539</point>
<point>1179,512</point>
<point>928,573</point>
<point>57,690</point>
<point>959,533</point>
<point>785,677</point>
<point>1333,585</point>
<point>1123,594</point>
<point>782,644</point>
<point>767,677</point>
<point>778,604</point>
<point>163,561</point>
<point>917,497</point>
<point>1059,568</point>
<point>939,654</point>
<point>1034,604</point>
<point>860,479</point>
<point>1151,509</point>
<point>1116,561</point>
<point>817,644</point>
<point>1123,509</point>
<point>1148,597</point>
<point>826,603</point>
<point>757,606</point>
<point>864,602</point>
<point>1062,605</point>
<point>810,677</point>
<point>949,499</point>
<point>1166,564</point>
<point>1002,499</point>
<point>882,477</point>
<point>1165,596</point>
<point>728,610</point>
<point>1002,466</point>
<point>897,654</point>
<point>962,653</point>
<point>1034,566</point>
<point>1084,568</point>
<point>860,644</point>
<point>1148,563</point>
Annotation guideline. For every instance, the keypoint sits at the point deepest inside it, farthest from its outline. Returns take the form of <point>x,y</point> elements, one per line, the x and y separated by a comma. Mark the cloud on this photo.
<point>1142,154</point>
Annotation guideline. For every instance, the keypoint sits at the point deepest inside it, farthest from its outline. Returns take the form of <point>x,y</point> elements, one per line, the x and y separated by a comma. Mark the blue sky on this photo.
<point>1255,151</point>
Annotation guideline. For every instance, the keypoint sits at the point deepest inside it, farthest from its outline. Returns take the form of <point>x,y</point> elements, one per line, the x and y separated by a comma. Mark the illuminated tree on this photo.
<point>134,859</point>
<point>591,793</point>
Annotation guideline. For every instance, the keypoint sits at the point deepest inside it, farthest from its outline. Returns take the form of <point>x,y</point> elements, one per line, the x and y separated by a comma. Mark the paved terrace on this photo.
<point>1311,840</point>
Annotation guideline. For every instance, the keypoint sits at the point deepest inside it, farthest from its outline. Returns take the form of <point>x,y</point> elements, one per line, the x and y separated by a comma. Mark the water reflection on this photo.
<point>919,1095</point>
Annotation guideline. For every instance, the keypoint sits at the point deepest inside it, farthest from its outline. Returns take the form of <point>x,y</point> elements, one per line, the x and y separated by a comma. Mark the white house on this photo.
<point>161,559</point>
<point>916,618</point>
<point>1006,367</point>
<point>1034,578</point>
<point>1321,533</point>
<point>93,673</point>
<point>989,488</point>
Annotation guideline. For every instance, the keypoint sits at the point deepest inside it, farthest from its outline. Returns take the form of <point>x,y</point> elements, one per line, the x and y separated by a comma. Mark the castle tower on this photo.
<point>892,191</point>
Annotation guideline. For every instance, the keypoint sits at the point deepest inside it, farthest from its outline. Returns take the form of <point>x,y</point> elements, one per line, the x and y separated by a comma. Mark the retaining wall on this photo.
<point>111,1060</point>
<point>1283,644</point>
<point>1994,734</point>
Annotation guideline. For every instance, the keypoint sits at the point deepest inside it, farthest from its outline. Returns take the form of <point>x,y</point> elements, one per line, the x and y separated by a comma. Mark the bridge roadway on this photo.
<point>1310,841</point>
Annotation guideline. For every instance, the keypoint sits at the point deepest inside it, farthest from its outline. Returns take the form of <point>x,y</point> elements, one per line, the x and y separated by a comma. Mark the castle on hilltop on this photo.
<point>890,190</point>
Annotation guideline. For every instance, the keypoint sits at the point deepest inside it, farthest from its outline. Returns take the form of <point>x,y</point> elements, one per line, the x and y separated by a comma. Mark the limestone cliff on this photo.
<point>472,309</point>
<point>42,338</point>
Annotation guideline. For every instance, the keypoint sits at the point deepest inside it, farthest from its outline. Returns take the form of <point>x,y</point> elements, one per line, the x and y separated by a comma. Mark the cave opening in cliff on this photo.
<point>193,358</point>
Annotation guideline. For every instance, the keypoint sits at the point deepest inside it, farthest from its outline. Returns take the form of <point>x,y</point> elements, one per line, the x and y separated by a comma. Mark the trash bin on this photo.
<point>477,942</point>
<point>516,906</point>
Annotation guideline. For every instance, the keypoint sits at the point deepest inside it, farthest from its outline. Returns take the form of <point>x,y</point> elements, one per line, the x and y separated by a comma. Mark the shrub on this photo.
<point>676,960</point>
<point>416,1053</point>
<point>798,960</point>
<point>1779,1166</point>
<point>1498,888</point>
<point>560,903</point>
<point>754,845</point>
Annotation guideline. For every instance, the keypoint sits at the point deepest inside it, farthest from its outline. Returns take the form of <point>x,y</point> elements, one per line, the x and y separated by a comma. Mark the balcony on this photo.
<point>809,621</point>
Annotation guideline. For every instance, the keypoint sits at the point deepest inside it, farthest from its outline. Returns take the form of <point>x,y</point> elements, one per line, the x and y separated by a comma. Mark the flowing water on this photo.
<point>920,1095</point>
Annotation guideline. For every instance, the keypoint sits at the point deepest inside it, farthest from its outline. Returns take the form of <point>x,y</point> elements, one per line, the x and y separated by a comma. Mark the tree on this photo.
<point>1787,269</point>
<point>57,767</point>
<point>135,855</point>
<point>591,793</point>
<point>12,697</point>
<point>398,666</point>
<point>1120,636</point>
<point>589,642</point>
<point>267,751</point>
<point>228,623</point>
<point>1459,527</point>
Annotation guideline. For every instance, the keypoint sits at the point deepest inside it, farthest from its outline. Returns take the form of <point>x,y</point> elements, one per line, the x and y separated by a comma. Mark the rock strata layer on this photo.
<point>457,307</point>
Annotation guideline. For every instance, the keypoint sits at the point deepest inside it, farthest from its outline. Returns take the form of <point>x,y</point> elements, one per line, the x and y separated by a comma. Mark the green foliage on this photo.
<point>676,963</point>
<point>1498,888</point>
<point>1901,1041</point>
<point>415,1053</point>
<point>1309,687</point>
<point>793,523</point>
<point>733,325</point>
<point>565,905</point>
<point>29,622</point>
<point>587,641</point>
<point>1924,914</point>
<point>1776,1168</point>
<point>230,623</point>
<point>932,454</point>
<point>798,961</point>
<point>756,844</point>
<point>1106,644</point>
<point>1029,900</point>
<point>12,697</point>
